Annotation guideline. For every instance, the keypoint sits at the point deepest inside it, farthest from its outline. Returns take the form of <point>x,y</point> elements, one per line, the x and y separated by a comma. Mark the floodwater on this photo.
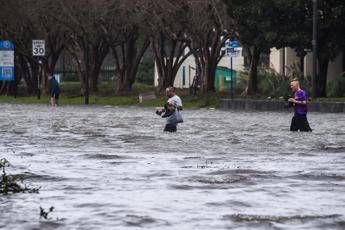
<point>114,168</point>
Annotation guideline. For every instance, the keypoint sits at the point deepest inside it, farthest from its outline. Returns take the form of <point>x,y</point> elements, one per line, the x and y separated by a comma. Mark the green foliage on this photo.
<point>70,95</point>
<point>305,81</point>
<point>146,71</point>
<point>241,82</point>
<point>273,84</point>
<point>69,76</point>
<point>336,88</point>
<point>266,23</point>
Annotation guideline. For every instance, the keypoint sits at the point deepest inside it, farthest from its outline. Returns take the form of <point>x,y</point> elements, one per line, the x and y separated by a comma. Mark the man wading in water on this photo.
<point>171,110</point>
<point>299,120</point>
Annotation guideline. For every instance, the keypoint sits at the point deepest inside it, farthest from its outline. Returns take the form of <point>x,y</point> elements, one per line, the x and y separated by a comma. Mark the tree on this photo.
<point>261,25</point>
<point>55,34</point>
<point>83,19</point>
<point>166,25</point>
<point>331,39</point>
<point>22,28</point>
<point>207,37</point>
<point>127,40</point>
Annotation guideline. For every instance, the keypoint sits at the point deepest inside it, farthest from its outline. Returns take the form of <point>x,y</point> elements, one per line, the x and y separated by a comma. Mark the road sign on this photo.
<point>233,52</point>
<point>38,48</point>
<point>232,44</point>
<point>6,61</point>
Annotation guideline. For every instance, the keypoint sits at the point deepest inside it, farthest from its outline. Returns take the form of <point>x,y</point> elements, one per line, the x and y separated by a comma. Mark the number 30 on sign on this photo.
<point>38,48</point>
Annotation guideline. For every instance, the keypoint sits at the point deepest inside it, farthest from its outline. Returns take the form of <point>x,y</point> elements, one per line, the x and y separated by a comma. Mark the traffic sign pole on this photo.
<point>38,79</point>
<point>38,50</point>
<point>231,80</point>
<point>231,52</point>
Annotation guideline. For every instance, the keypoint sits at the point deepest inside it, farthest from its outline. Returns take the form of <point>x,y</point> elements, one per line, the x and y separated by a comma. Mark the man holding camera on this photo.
<point>300,99</point>
<point>171,110</point>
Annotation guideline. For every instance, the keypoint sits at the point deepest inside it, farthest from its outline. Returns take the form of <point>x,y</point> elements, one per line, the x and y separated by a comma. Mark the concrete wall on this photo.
<point>292,61</point>
<point>276,60</point>
<point>279,105</point>
<point>308,64</point>
<point>335,68</point>
<point>283,60</point>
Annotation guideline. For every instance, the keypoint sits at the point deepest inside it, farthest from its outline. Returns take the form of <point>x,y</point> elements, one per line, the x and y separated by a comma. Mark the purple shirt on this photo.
<point>301,110</point>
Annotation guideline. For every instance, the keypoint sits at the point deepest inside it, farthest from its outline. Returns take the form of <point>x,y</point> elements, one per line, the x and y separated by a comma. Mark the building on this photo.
<point>285,60</point>
<point>186,73</point>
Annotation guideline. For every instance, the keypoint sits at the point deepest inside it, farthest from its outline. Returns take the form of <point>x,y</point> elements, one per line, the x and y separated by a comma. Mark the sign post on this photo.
<point>6,61</point>
<point>38,50</point>
<point>232,51</point>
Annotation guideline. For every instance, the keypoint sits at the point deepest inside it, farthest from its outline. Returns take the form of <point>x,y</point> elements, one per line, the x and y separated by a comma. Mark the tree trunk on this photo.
<point>131,54</point>
<point>87,62</point>
<point>2,87</point>
<point>208,62</point>
<point>167,76</point>
<point>24,63</point>
<point>168,80</point>
<point>34,74</point>
<point>208,55</point>
<point>210,77</point>
<point>168,59</point>
<point>123,84</point>
<point>252,85</point>
<point>99,52</point>
<point>95,72</point>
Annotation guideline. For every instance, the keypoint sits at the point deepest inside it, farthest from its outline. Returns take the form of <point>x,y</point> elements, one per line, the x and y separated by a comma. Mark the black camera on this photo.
<point>287,104</point>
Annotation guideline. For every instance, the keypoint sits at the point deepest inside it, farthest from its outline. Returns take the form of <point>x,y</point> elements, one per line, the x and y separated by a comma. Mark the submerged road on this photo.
<point>114,168</point>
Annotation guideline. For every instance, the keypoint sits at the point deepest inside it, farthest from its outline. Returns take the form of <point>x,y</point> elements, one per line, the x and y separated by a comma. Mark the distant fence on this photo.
<point>107,73</point>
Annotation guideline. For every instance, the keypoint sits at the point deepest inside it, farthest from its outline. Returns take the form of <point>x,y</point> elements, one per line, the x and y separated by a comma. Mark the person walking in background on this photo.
<point>300,99</point>
<point>54,90</point>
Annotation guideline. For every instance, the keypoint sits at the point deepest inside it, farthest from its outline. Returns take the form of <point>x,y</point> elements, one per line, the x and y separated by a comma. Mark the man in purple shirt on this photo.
<point>299,120</point>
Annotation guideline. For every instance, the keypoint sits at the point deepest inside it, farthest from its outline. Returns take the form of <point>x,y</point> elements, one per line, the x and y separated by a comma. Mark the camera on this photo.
<point>159,112</point>
<point>287,104</point>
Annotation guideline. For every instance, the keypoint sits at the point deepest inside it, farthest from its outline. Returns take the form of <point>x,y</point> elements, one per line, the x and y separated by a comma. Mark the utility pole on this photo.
<point>314,43</point>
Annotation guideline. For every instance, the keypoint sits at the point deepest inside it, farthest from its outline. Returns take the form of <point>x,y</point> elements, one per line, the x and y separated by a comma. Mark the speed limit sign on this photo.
<point>38,47</point>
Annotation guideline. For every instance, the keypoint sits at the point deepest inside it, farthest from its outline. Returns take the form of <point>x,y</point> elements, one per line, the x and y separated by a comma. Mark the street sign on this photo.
<point>233,52</point>
<point>6,61</point>
<point>232,44</point>
<point>38,48</point>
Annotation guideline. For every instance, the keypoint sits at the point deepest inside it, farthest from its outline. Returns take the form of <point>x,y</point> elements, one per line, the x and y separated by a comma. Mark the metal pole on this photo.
<point>190,92</point>
<point>38,80</point>
<point>63,65</point>
<point>231,80</point>
<point>314,44</point>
